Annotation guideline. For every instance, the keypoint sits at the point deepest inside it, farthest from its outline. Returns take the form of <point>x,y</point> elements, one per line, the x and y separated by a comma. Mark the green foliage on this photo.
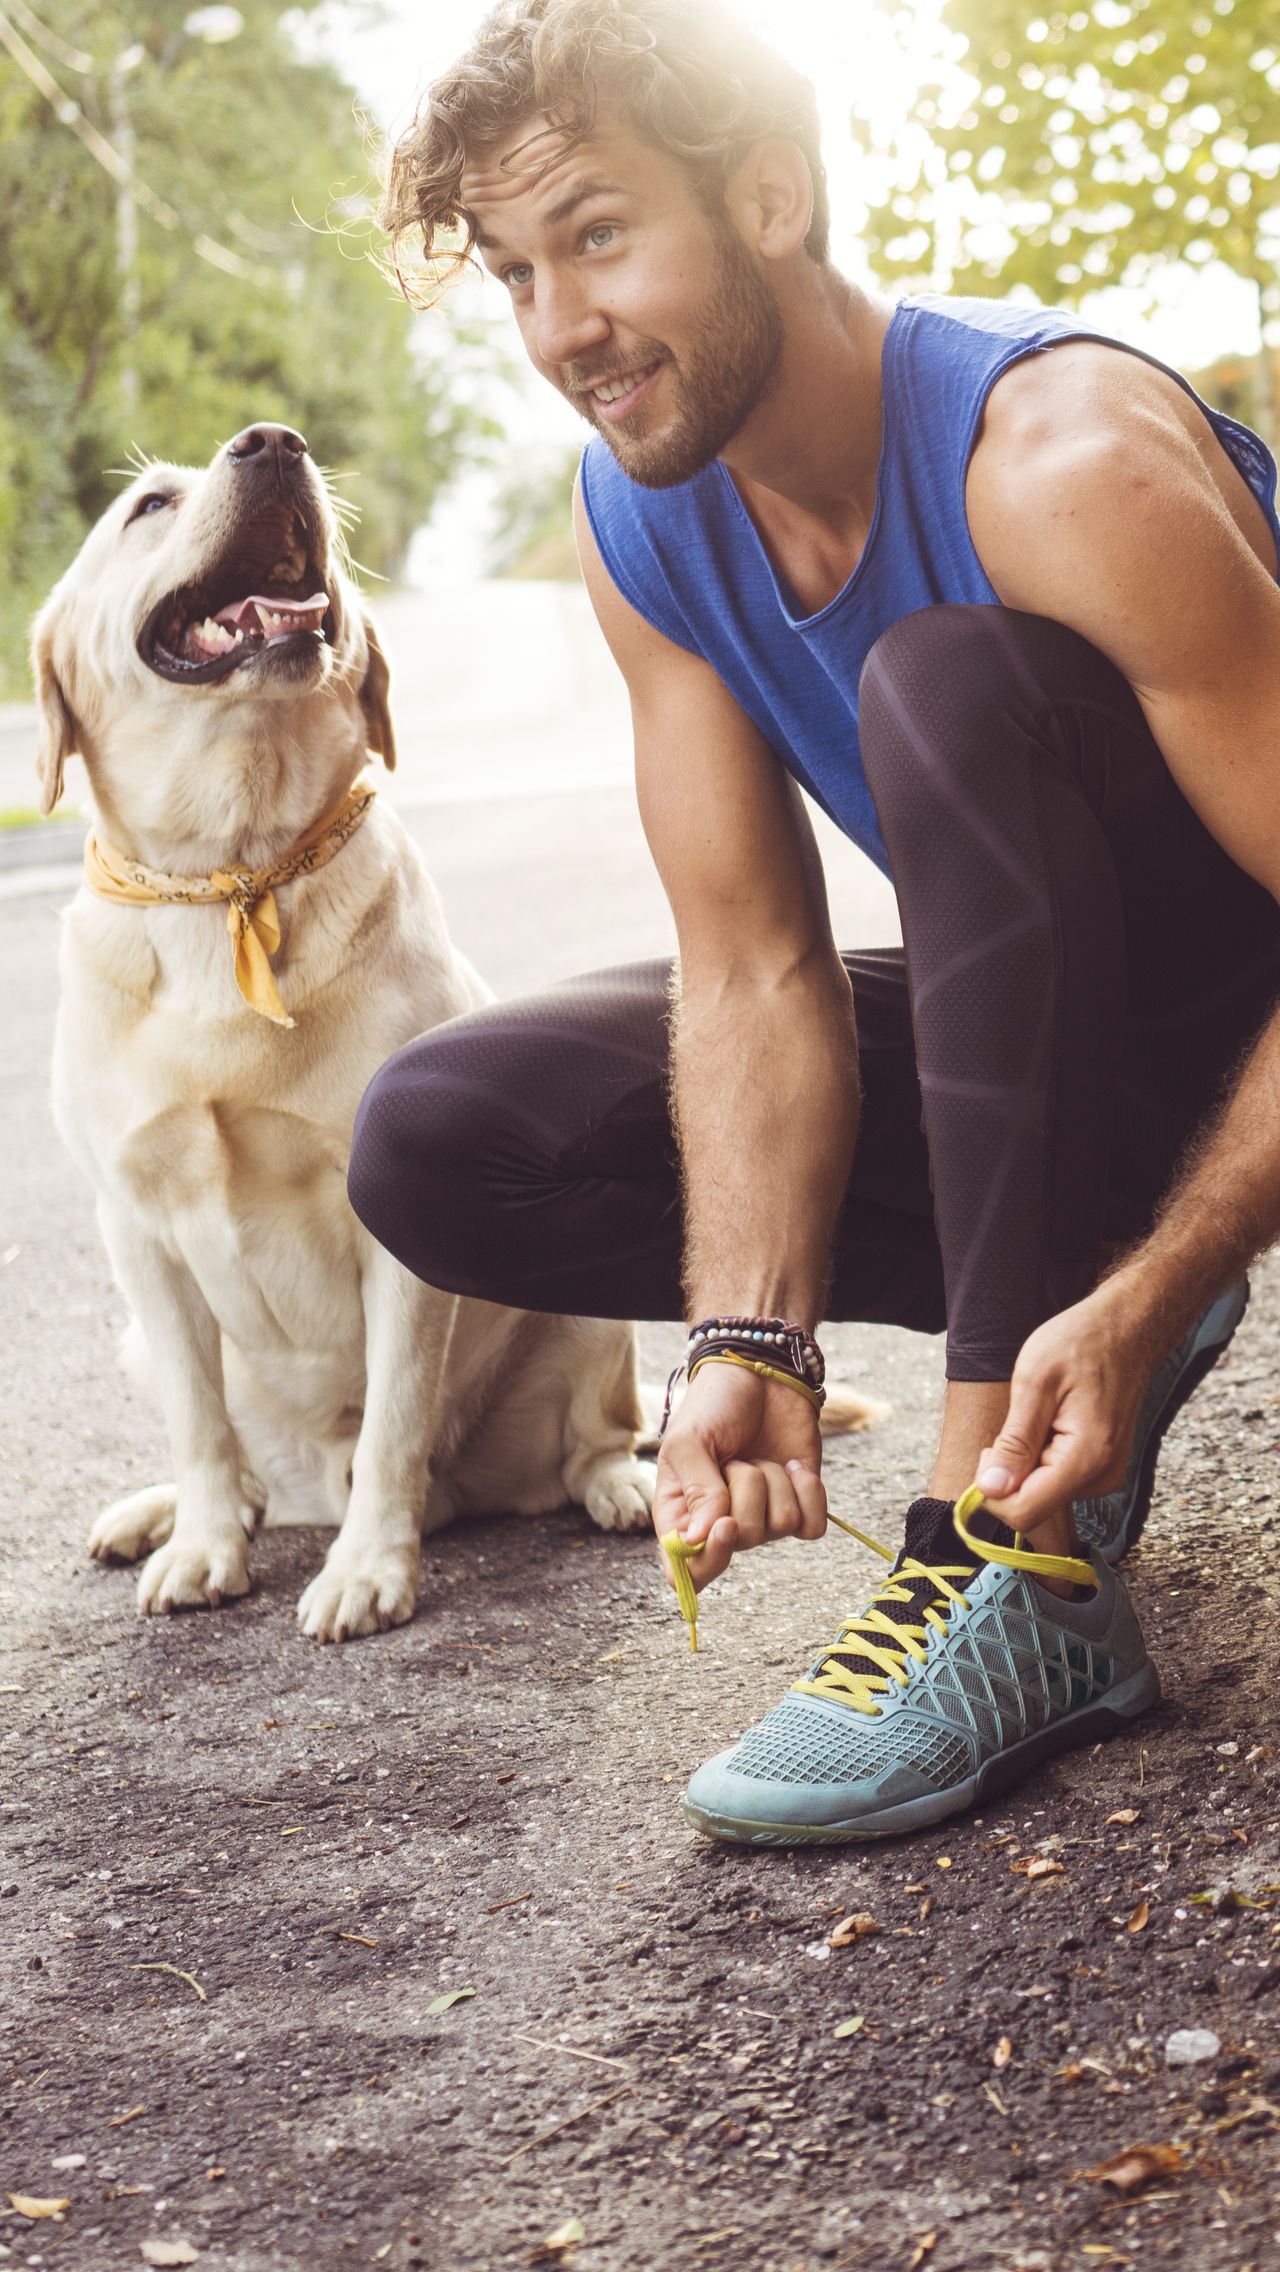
<point>257,148</point>
<point>1097,146</point>
<point>533,521</point>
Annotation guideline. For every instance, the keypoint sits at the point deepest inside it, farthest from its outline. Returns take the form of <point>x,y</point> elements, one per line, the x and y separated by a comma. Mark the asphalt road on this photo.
<point>237,1873</point>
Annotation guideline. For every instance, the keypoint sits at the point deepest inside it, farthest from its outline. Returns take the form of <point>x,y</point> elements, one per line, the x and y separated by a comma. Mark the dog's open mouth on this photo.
<point>267,593</point>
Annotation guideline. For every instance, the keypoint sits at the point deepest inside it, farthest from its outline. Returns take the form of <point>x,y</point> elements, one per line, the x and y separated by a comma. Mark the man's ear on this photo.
<point>375,700</point>
<point>59,736</point>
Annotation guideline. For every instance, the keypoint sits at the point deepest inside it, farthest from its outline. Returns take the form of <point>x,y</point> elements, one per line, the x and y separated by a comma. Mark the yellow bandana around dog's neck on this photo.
<point>253,919</point>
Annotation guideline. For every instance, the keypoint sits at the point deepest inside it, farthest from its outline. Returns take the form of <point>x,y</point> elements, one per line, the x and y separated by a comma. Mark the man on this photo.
<point>1003,597</point>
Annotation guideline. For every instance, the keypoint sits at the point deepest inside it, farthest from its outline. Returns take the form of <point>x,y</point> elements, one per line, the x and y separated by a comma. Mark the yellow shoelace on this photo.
<point>866,1633</point>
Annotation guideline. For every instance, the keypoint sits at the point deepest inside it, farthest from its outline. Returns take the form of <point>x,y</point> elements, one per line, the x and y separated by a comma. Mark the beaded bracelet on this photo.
<point>779,1340</point>
<point>775,1347</point>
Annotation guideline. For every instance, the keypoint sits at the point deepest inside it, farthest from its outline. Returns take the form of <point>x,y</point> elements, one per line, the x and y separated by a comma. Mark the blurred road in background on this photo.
<point>515,776</point>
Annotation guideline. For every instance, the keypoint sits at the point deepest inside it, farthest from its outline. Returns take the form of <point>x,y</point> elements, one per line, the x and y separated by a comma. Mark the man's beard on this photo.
<point>721,379</point>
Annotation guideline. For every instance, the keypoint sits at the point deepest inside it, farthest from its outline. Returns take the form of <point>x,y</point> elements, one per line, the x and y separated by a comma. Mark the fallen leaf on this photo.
<point>944,1863</point>
<point>27,2205</point>
<point>362,1938</point>
<point>130,2114</point>
<point>1136,2166</point>
<point>926,1907</point>
<point>169,2252</point>
<point>216,2171</point>
<point>177,1974</point>
<point>1140,1918</point>
<point>859,1927</point>
<point>1126,1815</point>
<point>924,2247</point>
<point>1003,2052</point>
<point>1036,1866</point>
<point>850,2027</point>
<point>565,2235</point>
<point>447,2002</point>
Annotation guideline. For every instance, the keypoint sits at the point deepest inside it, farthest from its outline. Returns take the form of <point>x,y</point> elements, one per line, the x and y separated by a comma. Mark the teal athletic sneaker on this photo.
<point>1113,1525</point>
<point>960,1675</point>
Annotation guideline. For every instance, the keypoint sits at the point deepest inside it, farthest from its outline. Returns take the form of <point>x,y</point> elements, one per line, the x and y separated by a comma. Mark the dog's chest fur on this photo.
<point>226,1137</point>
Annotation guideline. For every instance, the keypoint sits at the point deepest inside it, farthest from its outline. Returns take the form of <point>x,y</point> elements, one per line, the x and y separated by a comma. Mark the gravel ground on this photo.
<point>237,1872</point>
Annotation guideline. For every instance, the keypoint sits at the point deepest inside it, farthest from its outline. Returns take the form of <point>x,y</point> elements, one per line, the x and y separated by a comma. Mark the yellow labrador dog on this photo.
<point>256,936</point>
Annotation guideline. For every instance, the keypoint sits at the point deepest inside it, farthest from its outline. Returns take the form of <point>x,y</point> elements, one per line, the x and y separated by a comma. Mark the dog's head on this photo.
<point>201,604</point>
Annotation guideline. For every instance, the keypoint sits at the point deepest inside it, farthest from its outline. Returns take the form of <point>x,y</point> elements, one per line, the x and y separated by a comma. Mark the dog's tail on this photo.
<point>845,1412</point>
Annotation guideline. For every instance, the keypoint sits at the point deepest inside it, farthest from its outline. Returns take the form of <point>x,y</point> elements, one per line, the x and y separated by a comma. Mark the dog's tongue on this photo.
<point>257,612</point>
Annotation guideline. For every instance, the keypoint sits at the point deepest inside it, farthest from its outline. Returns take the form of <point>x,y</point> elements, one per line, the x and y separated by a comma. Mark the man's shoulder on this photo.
<point>1085,387</point>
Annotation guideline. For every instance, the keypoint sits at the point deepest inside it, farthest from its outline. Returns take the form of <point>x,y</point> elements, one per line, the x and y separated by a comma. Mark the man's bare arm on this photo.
<point>1099,496</point>
<point>764,1047</point>
<point>765,1078</point>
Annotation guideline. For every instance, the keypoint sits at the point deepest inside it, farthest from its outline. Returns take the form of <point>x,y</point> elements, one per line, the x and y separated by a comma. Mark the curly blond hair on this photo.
<point>685,75</point>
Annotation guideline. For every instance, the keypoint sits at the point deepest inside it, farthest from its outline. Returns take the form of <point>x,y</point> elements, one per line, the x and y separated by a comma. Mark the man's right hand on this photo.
<point>739,1466</point>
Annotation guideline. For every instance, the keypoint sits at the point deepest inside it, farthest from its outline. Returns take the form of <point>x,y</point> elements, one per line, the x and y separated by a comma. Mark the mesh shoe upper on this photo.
<point>988,1671</point>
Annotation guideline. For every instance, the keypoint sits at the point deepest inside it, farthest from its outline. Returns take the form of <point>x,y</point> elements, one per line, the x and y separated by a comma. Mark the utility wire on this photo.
<point>69,113</point>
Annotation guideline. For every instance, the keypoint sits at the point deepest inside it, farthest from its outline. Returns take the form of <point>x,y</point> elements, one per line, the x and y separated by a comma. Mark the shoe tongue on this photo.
<point>930,1536</point>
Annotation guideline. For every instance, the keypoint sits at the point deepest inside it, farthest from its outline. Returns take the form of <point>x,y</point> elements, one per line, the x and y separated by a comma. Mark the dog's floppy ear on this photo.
<point>374,700</point>
<point>59,736</point>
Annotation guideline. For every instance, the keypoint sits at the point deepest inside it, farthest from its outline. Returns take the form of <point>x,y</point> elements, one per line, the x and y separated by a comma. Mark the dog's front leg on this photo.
<point>370,1577</point>
<point>205,1560</point>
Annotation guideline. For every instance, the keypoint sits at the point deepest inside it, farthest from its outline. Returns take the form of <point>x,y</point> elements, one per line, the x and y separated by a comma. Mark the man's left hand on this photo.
<point>1073,1407</point>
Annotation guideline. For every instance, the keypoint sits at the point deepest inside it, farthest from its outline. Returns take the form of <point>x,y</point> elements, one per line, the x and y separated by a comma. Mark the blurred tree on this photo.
<point>533,521</point>
<point>252,299</point>
<point>1096,146</point>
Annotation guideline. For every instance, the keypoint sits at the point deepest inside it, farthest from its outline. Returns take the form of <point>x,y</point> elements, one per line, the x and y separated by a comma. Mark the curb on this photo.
<point>48,844</point>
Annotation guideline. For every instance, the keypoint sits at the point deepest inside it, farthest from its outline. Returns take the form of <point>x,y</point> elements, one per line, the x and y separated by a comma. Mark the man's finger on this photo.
<point>748,1501</point>
<point>1017,1448</point>
<point>713,1561</point>
<point>1067,1473</point>
<point>687,1471</point>
<point>811,1497</point>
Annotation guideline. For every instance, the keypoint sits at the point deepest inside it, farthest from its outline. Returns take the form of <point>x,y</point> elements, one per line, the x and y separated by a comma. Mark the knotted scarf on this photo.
<point>253,919</point>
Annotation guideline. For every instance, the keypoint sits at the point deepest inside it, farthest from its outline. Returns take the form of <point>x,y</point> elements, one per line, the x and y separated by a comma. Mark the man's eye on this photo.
<point>600,234</point>
<point>153,503</point>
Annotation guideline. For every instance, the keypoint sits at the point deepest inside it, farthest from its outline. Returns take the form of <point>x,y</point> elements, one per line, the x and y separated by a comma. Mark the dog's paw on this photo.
<point>359,1593</point>
<point>133,1526</point>
<point>193,1574</point>
<point>619,1494</point>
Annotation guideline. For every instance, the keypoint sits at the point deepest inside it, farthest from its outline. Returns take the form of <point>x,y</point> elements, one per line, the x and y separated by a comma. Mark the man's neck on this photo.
<point>805,463</point>
<point>814,443</point>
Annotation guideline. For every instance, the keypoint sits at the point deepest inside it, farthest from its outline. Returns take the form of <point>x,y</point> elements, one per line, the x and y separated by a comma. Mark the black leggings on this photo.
<point>1084,967</point>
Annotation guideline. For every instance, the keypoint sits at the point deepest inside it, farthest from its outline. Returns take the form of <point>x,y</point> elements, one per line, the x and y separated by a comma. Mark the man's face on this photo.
<point>647,311</point>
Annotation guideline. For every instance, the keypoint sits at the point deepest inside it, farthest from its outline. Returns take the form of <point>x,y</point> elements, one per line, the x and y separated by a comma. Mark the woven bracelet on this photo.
<point>817,1397</point>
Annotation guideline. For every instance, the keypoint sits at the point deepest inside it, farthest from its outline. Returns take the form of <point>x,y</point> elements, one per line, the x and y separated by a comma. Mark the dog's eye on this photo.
<point>153,503</point>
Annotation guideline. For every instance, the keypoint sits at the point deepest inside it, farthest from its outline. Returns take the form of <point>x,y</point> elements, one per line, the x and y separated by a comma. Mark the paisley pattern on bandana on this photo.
<point>253,919</point>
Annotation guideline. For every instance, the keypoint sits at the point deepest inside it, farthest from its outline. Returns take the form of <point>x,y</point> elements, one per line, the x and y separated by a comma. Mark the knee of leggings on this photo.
<point>934,681</point>
<point>414,1158</point>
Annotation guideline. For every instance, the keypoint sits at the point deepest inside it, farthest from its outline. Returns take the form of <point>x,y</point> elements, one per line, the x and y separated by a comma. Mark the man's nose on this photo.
<point>567,324</point>
<point>266,443</point>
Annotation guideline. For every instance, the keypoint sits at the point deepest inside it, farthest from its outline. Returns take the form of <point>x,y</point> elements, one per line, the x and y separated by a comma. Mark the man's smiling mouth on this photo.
<point>626,382</point>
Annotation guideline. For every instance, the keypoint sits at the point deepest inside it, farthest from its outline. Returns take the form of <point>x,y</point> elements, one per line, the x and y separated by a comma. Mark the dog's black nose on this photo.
<point>279,442</point>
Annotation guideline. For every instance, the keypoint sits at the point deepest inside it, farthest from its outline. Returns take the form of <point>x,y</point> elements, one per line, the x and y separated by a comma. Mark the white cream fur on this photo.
<point>301,1372</point>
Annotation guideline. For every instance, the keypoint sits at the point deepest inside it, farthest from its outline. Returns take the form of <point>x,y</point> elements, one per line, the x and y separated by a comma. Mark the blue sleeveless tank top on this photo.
<point>690,560</point>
